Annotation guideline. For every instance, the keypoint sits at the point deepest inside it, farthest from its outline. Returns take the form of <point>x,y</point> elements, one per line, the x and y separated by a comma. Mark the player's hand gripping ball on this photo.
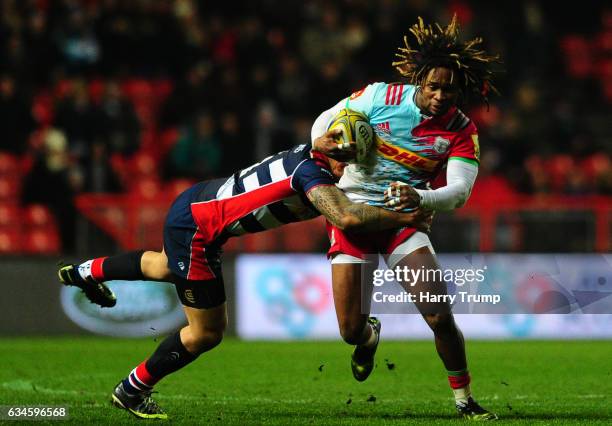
<point>355,128</point>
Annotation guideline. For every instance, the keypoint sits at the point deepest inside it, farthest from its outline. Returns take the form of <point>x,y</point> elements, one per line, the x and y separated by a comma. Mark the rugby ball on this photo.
<point>355,127</point>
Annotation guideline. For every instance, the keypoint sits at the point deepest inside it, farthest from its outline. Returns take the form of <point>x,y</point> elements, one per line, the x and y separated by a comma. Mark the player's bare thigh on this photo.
<point>423,259</point>
<point>205,328</point>
<point>154,266</point>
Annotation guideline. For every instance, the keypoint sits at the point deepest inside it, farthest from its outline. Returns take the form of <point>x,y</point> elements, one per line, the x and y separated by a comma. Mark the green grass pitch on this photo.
<point>285,383</point>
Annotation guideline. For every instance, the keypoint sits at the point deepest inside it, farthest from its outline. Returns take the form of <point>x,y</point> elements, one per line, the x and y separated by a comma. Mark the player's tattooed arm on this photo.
<point>346,215</point>
<point>330,202</point>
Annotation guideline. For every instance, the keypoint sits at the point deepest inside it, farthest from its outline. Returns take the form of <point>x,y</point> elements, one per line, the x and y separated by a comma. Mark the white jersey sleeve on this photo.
<point>460,178</point>
<point>362,101</point>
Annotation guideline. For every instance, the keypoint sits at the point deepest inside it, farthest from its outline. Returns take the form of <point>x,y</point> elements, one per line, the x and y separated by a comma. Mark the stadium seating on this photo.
<point>9,188</point>
<point>10,242</point>
<point>28,230</point>
<point>10,216</point>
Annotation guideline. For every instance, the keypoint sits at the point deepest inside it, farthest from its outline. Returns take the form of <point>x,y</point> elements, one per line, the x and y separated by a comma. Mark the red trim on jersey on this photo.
<point>437,123</point>
<point>199,271</point>
<point>97,272</point>
<point>461,142</point>
<point>238,206</point>
<point>144,376</point>
<point>394,94</point>
<point>213,216</point>
<point>321,159</point>
<point>390,88</point>
<point>466,144</point>
<point>400,90</point>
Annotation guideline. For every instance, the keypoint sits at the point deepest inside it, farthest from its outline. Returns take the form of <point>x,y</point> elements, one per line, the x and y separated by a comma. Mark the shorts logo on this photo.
<point>441,145</point>
<point>181,265</point>
<point>189,296</point>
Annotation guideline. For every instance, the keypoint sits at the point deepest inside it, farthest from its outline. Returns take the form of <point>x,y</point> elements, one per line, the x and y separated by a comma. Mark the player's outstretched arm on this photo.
<point>346,215</point>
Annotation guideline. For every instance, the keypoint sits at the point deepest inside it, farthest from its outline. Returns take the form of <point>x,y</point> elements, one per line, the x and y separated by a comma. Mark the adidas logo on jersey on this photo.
<point>383,127</point>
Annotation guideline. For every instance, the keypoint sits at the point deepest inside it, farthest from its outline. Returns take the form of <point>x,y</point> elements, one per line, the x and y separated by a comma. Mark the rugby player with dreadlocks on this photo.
<point>419,131</point>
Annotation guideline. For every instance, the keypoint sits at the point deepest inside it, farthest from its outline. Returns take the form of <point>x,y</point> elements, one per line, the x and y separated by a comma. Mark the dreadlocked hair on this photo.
<point>440,47</point>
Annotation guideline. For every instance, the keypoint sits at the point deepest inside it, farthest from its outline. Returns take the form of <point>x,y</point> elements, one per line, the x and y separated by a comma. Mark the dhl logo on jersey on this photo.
<point>404,157</point>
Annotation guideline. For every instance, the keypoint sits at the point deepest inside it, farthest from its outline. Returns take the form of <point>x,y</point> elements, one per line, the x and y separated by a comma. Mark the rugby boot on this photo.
<point>362,360</point>
<point>472,411</point>
<point>141,405</point>
<point>96,292</point>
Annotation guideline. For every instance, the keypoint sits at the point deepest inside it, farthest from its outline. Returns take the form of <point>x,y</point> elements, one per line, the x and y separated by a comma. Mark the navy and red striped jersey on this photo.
<point>263,196</point>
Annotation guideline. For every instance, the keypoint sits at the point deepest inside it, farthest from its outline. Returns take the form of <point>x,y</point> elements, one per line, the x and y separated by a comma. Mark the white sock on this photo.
<point>85,269</point>
<point>373,339</point>
<point>462,395</point>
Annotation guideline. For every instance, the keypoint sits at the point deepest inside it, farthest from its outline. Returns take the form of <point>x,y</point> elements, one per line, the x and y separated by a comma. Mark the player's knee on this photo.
<point>441,324</point>
<point>212,338</point>
<point>352,331</point>
<point>203,339</point>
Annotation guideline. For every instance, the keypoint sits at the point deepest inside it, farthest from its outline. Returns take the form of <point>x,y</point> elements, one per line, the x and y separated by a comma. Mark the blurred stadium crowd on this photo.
<point>129,96</point>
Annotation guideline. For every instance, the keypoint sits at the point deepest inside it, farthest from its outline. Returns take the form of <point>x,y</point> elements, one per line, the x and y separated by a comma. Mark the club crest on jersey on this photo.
<point>441,145</point>
<point>383,127</point>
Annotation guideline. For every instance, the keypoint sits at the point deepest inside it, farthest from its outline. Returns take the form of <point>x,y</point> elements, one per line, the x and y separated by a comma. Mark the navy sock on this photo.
<point>125,266</point>
<point>169,357</point>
